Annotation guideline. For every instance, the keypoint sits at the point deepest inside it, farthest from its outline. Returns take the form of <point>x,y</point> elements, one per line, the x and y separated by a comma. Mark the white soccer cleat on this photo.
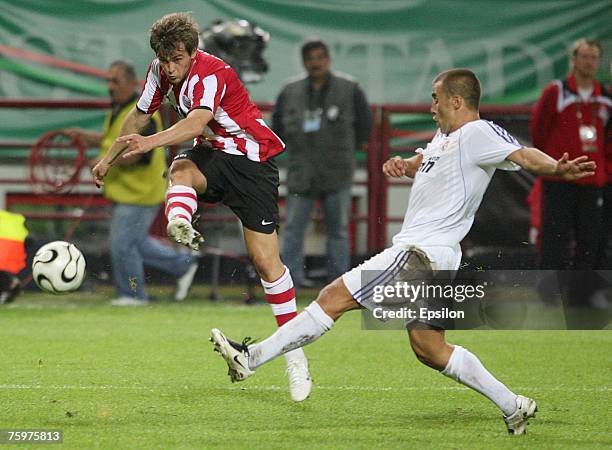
<point>236,355</point>
<point>300,382</point>
<point>517,421</point>
<point>181,231</point>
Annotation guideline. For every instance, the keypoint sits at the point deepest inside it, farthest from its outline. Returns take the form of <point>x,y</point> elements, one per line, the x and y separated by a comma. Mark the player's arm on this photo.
<point>134,122</point>
<point>539,163</point>
<point>185,129</point>
<point>399,167</point>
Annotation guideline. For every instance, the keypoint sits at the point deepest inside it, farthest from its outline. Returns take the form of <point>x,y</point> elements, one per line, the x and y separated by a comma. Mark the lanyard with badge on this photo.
<point>312,120</point>
<point>587,132</point>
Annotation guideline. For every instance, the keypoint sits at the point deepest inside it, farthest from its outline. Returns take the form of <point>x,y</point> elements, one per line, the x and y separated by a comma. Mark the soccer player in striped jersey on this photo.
<point>231,160</point>
<point>450,178</point>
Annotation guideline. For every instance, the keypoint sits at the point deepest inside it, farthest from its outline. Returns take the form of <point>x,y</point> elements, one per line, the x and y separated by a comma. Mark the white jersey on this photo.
<point>449,186</point>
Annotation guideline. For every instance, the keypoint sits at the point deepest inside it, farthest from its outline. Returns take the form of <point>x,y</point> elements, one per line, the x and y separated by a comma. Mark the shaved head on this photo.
<point>461,82</point>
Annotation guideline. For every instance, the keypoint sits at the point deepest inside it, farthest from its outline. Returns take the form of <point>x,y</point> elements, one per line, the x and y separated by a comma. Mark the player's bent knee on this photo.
<point>185,172</point>
<point>335,299</point>
<point>180,166</point>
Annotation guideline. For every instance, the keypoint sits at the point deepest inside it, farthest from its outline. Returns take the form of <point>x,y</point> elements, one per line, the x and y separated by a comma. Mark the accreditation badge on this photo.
<point>588,137</point>
<point>312,121</point>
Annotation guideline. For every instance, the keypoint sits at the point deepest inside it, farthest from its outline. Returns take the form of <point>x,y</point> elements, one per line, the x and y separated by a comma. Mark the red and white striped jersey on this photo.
<point>237,126</point>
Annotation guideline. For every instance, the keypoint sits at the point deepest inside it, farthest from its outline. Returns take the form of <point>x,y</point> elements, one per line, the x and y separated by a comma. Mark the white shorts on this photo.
<point>390,261</point>
<point>408,265</point>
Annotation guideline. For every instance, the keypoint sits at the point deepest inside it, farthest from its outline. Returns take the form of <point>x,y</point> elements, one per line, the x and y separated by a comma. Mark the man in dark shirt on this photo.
<point>322,117</point>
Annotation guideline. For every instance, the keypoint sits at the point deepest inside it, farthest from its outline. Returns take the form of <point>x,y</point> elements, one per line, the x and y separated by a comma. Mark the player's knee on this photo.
<point>335,299</point>
<point>181,167</point>
<point>185,172</point>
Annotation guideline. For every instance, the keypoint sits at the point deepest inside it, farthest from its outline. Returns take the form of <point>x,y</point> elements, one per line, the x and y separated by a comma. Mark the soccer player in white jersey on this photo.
<point>450,178</point>
<point>231,161</point>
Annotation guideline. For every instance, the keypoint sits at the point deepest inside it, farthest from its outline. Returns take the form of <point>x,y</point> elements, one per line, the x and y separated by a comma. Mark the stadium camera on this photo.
<point>240,44</point>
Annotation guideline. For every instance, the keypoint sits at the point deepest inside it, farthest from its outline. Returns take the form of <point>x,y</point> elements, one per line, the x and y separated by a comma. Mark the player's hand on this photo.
<point>395,167</point>
<point>99,171</point>
<point>575,169</point>
<point>135,145</point>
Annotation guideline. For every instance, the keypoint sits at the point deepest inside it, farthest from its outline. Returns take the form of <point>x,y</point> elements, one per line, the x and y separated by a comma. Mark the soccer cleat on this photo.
<point>300,383</point>
<point>183,284</point>
<point>180,230</point>
<point>236,355</point>
<point>517,421</point>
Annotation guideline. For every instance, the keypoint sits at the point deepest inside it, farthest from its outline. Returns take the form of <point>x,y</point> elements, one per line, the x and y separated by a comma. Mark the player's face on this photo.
<point>120,87</point>
<point>587,60</point>
<point>317,62</point>
<point>441,108</point>
<point>176,66</point>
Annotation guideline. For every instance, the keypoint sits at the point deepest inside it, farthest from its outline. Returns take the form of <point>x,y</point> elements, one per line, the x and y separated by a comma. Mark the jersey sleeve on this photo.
<point>152,93</point>
<point>207,92</point>
<point>489,145</point>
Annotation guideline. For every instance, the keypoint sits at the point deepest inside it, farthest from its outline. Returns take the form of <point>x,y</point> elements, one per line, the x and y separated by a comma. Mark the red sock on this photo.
<point>281,297</point>
<point>181,201</point>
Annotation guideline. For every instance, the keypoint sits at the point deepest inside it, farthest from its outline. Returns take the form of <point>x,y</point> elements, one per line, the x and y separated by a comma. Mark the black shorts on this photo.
<point>248,188</point>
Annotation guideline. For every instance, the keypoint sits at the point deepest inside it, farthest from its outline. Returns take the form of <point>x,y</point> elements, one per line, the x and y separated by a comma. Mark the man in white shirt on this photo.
<point>450,179</point>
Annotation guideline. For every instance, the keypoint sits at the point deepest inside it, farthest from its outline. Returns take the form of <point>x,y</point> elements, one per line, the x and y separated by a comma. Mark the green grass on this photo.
<point>120,378</point>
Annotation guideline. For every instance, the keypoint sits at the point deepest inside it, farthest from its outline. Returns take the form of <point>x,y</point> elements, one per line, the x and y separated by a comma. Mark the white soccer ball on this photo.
<point>58,267</point>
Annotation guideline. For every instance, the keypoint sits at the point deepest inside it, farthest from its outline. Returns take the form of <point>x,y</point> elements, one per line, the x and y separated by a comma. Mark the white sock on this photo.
<point>307,327</point>
<point>464,367</point>
<point>181,201</point>
<point>280,295</point>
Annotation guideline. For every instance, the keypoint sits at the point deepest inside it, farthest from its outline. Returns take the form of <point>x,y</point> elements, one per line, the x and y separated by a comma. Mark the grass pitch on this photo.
<point>119,378</point>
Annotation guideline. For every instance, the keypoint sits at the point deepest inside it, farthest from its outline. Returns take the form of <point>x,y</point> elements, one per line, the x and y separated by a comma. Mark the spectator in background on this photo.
<point>322,117</point>
<point>137,187</point>
<point>605,252</point>
<point>13,234</point>
<point>600,299</point>
<point>571,116</point>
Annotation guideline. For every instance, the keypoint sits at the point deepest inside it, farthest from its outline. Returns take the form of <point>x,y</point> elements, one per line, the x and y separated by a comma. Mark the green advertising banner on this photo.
<point>392,47</point>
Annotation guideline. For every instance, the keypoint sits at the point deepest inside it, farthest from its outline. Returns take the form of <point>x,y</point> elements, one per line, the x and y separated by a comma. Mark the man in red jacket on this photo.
<point>571,116</point>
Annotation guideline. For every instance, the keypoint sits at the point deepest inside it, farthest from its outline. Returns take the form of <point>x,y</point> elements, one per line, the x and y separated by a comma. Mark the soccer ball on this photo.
<point>58,267</point>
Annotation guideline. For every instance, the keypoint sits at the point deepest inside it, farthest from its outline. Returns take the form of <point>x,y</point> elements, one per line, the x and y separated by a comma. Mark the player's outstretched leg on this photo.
<point>316,319</point>
<point>463,366</point>
<point>243,359</point>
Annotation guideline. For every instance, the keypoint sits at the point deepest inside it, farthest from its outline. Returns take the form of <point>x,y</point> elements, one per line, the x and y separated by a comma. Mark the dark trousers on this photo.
<point>571,226</point>
<point>604,257</point>
<point>571,237</point>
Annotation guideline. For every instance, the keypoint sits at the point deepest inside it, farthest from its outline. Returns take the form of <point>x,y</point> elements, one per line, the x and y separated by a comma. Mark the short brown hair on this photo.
<point>584,41</point>
<point>172,29</point>
<point>461,82</point>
